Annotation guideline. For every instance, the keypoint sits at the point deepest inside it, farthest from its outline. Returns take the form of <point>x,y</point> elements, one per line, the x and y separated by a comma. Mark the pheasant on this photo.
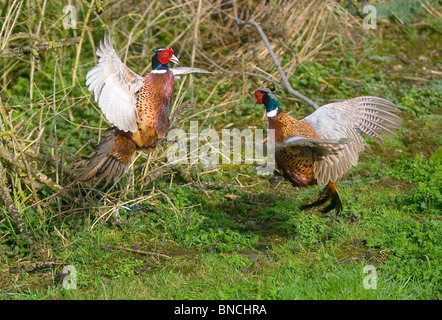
<point>323,146</point>
<point>138,107</point>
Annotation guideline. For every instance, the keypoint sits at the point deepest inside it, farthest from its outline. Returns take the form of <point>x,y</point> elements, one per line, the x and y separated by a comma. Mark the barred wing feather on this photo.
<point>348,119</point>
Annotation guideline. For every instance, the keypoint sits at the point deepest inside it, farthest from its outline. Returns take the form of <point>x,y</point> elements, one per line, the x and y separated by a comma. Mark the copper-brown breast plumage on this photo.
<point>285,126</point>
<point>153,101</point>
<point>296,164</point>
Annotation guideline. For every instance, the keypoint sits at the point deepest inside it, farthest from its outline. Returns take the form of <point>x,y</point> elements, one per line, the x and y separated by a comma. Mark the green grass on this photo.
<point>224,249</point>
<point>250,240</point>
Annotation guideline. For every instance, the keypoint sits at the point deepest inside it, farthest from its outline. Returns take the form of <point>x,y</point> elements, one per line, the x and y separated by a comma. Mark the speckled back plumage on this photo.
<point>285,126</point>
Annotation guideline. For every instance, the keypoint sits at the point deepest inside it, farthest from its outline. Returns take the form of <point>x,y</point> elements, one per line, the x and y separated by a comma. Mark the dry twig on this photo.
<point>35,49</point>
<point>146,253</point>
<point>286,84</point>
<point>12,210</point>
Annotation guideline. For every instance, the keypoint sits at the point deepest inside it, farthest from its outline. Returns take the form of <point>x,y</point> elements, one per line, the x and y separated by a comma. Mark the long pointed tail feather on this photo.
<point>111,156</point>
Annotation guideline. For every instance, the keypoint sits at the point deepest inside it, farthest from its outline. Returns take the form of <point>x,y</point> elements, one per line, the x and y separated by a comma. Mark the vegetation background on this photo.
<point>186,232</point>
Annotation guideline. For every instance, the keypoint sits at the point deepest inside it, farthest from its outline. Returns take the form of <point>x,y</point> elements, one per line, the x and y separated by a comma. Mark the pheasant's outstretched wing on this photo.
<point>114,86</point>
<point>186,70</point>
<point>347,119</point>
<point>320,147</point>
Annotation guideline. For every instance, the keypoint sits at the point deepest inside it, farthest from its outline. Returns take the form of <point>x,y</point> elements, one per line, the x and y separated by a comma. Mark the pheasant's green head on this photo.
<point>269,100</point>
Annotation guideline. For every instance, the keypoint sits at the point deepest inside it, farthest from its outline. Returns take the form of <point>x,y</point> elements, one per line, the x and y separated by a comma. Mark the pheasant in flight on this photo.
<point>323,146</point>
<point>138,107</point>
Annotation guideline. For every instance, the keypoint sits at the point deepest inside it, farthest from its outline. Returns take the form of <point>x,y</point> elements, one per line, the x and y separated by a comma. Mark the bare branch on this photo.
<point>12,210</point>
<point>9,157</point>
<point>276,84</point>
<point>35,49</point>
<point>286,84</point>
<point>146,253</point>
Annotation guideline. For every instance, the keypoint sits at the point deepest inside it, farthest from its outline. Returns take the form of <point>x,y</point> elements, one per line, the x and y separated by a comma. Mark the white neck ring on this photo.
<point>158,71</point>
<point>272,113</point>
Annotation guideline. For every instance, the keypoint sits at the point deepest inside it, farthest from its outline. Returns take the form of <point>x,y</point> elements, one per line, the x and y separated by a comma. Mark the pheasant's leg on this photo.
<point>277,177</point>
<point>330,193</point>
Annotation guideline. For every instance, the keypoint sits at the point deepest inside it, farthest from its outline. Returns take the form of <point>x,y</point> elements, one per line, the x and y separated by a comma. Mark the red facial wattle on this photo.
<point>258,97</point>
<point>165,56</point>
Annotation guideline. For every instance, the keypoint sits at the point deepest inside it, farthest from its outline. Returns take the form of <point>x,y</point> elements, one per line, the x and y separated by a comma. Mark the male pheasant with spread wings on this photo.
<point>138,107</point>
<point>320,148</point>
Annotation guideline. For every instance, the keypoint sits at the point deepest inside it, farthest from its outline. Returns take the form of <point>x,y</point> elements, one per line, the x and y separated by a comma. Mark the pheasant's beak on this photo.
<point>174,59</point>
